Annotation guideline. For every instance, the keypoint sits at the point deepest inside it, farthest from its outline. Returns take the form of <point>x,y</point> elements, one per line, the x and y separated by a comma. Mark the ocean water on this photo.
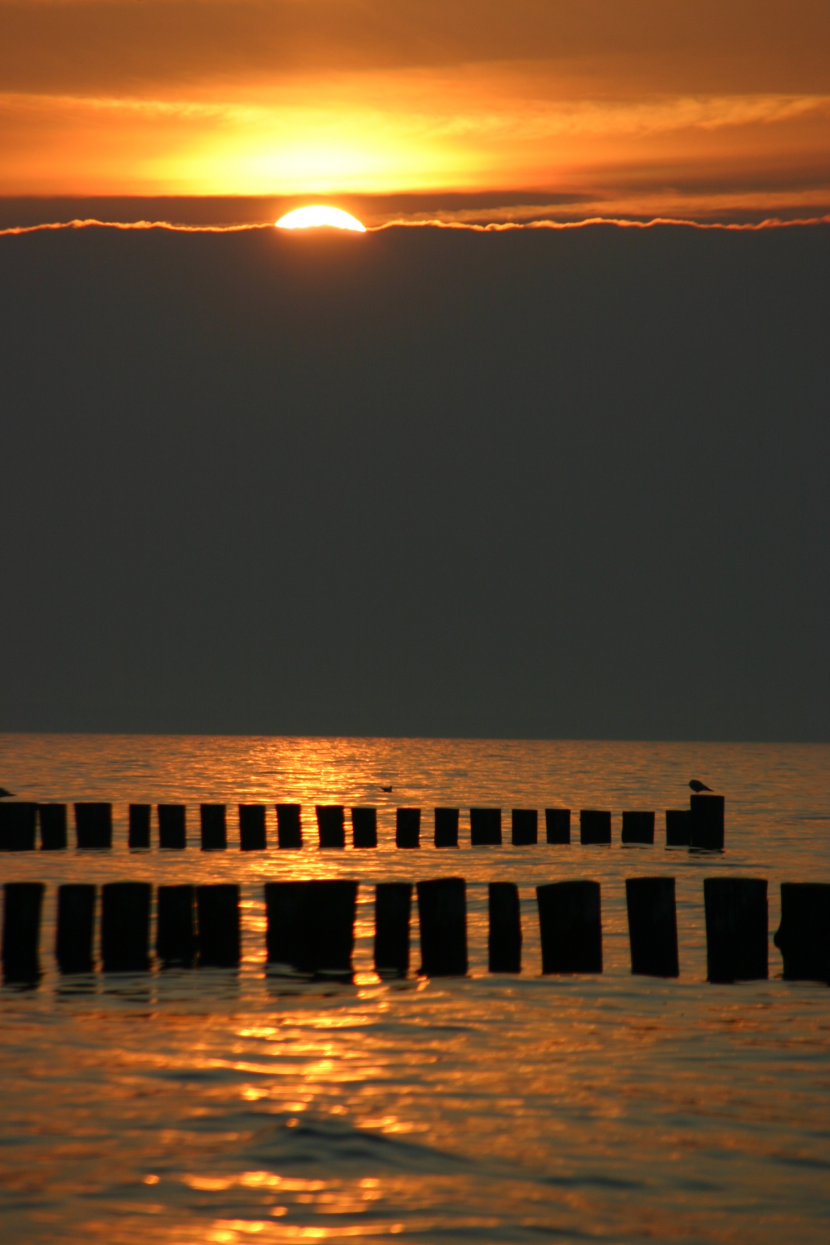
<point>230,1106</point>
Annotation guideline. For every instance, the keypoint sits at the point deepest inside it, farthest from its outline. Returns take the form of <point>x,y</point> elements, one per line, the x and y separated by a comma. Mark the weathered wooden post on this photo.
<point>289,826</point>
<point>558,825</point>
<point>678,827</point>
<point>570,925</point>
<point>217,905</point>
<point>252,834</point>
<point>17,826</point>
<point>330,825</point>
<point>76,927</point>
<point>364,827</point>
<point>172,826</point>
<point>393,904</point>
<point>524,827</point>
<point>93,825</point>
<point>637,827</point>
<point>803,936</point>
<point>594,825</point>
<point>213,827</point>
<point>737,929</point>
<point>442,915</point>
<point>504,938</point>
<point>176,937</point>
<point>22,905</point>
<point>707,822</point>
<point>408,827</point>
<point>125,927</point>
<point>485,827</point>
<point>652,926</point>
<point>53,836</point>
<point>446,827</point>
<point>139,831</point>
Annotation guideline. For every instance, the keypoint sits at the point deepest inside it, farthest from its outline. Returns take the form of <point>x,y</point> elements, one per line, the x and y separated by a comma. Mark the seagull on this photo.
<point>386,788</point>
<point>697,786</point>
<point>4,793</point>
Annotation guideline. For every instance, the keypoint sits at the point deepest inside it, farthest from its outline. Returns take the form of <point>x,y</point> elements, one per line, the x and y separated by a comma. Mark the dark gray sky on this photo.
<point>417,482</point>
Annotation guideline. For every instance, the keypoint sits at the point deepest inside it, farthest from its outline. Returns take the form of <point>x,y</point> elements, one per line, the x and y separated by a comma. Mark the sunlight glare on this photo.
<point>316,215</point>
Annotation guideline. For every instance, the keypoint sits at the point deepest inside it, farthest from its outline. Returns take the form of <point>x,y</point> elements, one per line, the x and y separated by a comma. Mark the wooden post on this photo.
<point>252,836</point>
<point>172,826</point>
<point>524,827</point>
<point>218,914</point>
<point>504,938</point>
<point>446,827</point>
<point>442,915</point>
<point>53,836</point>
<point>594,826</point>
<point>637,827</point>
<point>485,827</point>
<point>214,827</point>
<point>23,902</point>
<point>17,826</point>
<point>330,825</point>
<point>311,925</point>
<point>139,832</point>
<point>393,904</point>
<point>76,927</point>
<point>364,827</point>
<point>678,827</point>
<point>707,824</point>
<point>652,926</point>
<point>125,927</point>
<point>570,924</point>
<point>176,938</point>
<point>93,825</point>
<point>736,928</point>
<point>289,826</point>
<point>558,825</point>
<point>408,827</point>
<point>803,937</point>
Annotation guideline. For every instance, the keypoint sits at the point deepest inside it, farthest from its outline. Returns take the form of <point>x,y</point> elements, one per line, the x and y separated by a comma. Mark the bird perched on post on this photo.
<point>698,786</point>
<point>4,793</point>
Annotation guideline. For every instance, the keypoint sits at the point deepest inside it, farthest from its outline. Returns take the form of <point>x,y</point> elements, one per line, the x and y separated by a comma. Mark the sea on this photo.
<point>230,1106</point>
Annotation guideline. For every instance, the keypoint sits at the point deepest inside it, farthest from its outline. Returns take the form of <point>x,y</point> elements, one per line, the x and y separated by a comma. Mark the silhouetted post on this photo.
<point>218,909</point>
<point>485,827</point>
<point>678,827</point>
<point>570,925</point>
<point>289,826</point>
<point>214,827</point>
<point>637,827</point>
<point>76,927</point>
<point>125,927</point>
<point>22,906</point>
<point>176,939</point>
<point>442,915</point>
<point>558,825</point>
<point>172,826</point>
<point>736,928</point>
<point>393,904</point>
<point>408,827</point>
<point>330,825</point>
<point>803,937</point>
<point>524,827</point>
<point>594,825</point>
<point>364,827</point>
<point>252,828</point>
<point>53,836</point>
<point>17,827</point>
<point>446,827</point>
<point>93,825</point>
<point>311,925</point>
<point>652,926</point>
<point>707,822</point>
<point>139,833</point>
<point>504,938</point>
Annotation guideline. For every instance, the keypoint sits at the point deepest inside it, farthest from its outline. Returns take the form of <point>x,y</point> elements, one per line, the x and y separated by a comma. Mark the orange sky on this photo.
<point>671,107</point>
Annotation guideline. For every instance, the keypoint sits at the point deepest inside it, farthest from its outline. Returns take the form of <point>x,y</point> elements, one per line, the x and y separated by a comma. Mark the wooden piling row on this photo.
<point>310,927</point>
<point>700,828</point>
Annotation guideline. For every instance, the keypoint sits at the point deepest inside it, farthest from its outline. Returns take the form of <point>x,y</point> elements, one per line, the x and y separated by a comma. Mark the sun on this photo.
<point>316,215</point>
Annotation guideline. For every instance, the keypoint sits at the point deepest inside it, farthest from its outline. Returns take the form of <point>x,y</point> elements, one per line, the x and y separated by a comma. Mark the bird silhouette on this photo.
<point>386,788</point>
<point>698,786</point>
<point>4,793</point>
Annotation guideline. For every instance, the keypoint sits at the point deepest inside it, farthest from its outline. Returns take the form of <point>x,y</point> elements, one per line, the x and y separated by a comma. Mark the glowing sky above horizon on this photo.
<point>618,107</point>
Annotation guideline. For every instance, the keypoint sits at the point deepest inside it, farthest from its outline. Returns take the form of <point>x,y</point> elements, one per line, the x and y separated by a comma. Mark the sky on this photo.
<point>531,457</point>
<point>694,109</point>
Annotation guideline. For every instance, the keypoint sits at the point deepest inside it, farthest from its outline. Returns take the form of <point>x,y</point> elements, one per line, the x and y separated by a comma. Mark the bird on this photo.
<point>698,786</point>
<point>4,793</point>
<point>386,789</point>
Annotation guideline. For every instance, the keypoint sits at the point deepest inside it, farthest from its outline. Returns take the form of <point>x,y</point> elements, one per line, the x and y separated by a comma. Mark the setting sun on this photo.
<point>315,216</point>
